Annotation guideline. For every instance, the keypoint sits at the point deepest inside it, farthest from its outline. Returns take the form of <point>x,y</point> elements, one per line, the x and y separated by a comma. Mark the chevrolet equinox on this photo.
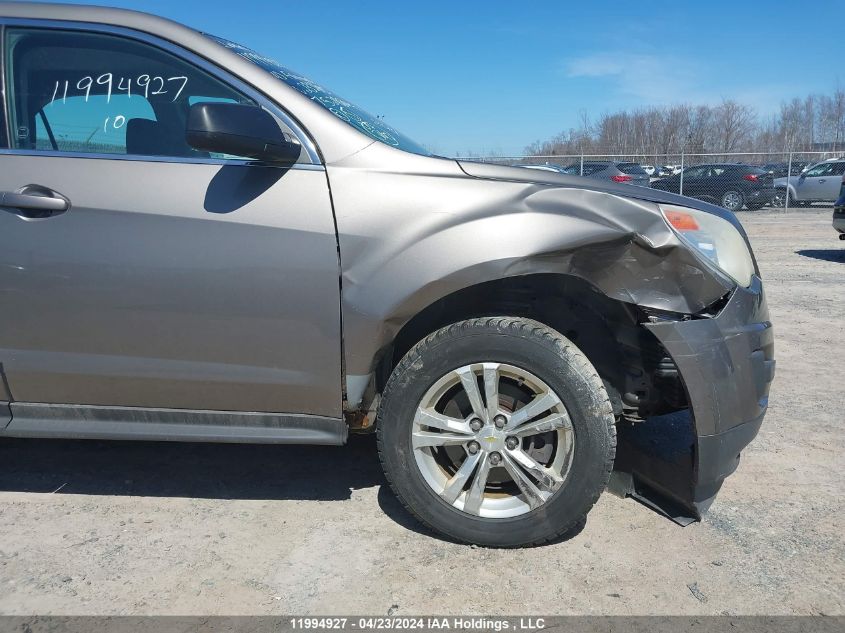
<point>199,244</point>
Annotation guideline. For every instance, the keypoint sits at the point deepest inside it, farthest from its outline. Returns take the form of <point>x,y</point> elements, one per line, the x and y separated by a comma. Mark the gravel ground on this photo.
<point>122,528</point>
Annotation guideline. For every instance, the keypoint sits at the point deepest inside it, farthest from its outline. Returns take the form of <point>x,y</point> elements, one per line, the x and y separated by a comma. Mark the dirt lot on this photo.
<point>120,528</point>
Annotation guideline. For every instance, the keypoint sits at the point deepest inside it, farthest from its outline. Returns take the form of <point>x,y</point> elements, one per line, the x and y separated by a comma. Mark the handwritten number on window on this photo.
<point>144,80</point>
<point>184,81</point>
<point>106,79</point>
<point>85,84</point>
<point>151,85</point>
<point>127,88</point>
<point>160,90</point>
<point>119,122</point>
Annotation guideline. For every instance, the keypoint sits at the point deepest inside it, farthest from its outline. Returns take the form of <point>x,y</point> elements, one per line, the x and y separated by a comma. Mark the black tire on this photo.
<point>732,200</point>
<point>551,357</point>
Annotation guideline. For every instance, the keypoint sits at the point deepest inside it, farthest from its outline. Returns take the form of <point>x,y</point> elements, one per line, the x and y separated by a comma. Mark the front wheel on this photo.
<point>497,431</point>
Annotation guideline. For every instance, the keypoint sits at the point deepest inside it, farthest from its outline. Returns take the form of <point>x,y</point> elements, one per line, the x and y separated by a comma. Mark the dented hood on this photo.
<point>541,177</point>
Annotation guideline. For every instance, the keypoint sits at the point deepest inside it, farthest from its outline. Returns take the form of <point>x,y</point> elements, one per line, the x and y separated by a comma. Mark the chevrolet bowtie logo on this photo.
<point>490,439</point>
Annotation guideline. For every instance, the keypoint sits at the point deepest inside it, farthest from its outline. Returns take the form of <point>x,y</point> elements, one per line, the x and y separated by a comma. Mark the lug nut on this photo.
<point>511,442</point>
<point>476,424</point>
<point>500,421</point>
<point>495,459</point>
<point>473,447</point>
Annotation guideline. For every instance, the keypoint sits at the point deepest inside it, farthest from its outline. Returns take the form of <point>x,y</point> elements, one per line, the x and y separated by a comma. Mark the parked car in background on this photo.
<point>616,171</point>
<point>649,169</point>
<point>839,211</point>
<point>782,170</point>
<point>672,170</point>
<point>819,183</point>
<point>730,185</point>
<point>558,169</point>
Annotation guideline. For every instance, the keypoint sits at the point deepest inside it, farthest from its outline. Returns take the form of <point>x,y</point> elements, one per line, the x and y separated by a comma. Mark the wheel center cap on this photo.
<point>491,439</point>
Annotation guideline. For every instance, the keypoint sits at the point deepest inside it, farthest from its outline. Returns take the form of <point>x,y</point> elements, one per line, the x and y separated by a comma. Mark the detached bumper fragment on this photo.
<point>676,463</point>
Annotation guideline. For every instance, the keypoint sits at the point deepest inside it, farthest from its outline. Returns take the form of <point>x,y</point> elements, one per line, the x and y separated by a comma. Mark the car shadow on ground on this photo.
<point>195,470</point>
<point>827,255</point>
<point>203,471</point>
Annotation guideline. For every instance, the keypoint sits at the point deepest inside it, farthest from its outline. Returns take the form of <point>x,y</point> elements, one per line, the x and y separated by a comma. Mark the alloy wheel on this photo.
<point>732,201</point>
<point>493,440</point>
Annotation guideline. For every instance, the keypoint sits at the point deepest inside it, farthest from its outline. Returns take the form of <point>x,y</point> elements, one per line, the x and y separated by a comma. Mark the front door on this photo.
<point>828,187</point>
<point>135,271</point>
<point>814,184</point>
<point>693,179</point>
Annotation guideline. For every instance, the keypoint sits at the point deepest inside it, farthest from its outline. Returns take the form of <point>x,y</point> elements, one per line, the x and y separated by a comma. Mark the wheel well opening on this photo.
<point>640,376</point>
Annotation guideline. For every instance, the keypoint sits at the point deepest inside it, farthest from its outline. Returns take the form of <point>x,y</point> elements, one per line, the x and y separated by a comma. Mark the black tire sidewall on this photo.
<point>566,371</point>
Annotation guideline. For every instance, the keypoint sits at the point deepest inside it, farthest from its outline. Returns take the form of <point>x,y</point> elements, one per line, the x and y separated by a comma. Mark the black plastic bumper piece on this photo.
<point>676,463</point>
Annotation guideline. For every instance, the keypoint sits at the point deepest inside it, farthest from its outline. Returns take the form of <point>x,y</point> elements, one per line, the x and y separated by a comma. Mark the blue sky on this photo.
<point>497,75</point>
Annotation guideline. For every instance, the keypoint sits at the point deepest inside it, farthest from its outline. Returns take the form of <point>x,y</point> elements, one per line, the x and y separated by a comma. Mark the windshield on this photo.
<point>372,126</point>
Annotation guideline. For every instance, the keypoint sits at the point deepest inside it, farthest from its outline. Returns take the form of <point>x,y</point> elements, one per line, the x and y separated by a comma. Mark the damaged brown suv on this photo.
<point>199,244</point>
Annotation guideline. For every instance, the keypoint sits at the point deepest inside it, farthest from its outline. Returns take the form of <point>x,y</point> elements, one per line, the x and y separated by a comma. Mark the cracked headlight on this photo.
<point>714,238</point>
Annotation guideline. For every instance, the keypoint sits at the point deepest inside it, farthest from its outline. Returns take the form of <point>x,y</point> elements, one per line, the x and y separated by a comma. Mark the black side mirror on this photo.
<point>240,130</point>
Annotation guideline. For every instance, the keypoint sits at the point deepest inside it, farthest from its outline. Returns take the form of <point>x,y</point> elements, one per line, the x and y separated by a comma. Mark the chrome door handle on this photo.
<point>34,201</point>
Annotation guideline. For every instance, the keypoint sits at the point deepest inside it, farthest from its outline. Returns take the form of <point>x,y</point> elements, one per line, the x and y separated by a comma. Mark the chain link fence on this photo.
<point>736,181</point>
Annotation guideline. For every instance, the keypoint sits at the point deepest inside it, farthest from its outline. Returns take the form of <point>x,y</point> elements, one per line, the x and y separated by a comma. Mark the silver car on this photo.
<point>818,183</point>
<point>199,244</point>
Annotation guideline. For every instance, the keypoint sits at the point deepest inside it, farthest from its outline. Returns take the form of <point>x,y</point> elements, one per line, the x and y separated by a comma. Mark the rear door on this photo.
<point>135,271</point>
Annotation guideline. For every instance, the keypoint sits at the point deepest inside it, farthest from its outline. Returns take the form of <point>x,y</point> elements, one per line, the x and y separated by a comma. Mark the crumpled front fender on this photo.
<point>432,231</point>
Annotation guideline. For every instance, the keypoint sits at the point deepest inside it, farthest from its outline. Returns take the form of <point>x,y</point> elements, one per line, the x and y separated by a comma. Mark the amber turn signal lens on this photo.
<point>681,220</point>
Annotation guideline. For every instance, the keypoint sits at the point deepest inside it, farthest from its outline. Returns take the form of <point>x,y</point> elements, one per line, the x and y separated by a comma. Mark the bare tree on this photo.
<point>730,127</point>
<point>733,125</point>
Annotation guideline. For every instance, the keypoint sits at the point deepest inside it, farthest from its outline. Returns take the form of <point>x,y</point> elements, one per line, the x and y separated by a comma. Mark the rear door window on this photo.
<point>695,172</point>
<point>593,168</point>
<point>631,168</point>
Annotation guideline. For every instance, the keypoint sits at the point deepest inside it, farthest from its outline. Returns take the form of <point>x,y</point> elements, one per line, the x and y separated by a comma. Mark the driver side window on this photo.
<point>73,91</point>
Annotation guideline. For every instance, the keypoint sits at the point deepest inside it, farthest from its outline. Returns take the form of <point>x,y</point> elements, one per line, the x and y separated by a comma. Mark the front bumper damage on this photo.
<point>676,463</point>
